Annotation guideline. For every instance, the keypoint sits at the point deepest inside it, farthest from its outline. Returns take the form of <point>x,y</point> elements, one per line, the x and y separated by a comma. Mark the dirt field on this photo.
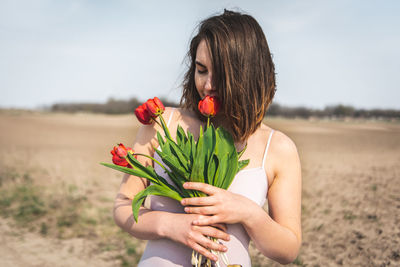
<point>56,199</point>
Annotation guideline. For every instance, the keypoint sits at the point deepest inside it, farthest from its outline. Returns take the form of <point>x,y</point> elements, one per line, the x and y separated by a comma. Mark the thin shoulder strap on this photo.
<point>170,117</point>
<point>266,148</point>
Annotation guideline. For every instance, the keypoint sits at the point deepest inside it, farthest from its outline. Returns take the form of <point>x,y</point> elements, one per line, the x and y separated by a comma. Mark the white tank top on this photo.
<point>251,183</point>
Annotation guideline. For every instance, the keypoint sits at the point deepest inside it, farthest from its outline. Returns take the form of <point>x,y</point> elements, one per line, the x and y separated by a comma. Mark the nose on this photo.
<point>209,83</point>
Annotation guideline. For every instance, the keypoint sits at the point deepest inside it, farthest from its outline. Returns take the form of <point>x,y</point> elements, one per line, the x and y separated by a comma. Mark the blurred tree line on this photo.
<point>113,106</point>
<point>335,111</point>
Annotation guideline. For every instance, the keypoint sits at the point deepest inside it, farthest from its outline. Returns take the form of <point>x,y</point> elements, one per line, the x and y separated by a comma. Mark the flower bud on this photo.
<point>120,153</point>
<point>209,106</point>
<point>155,107</point>
<point>143,114</point>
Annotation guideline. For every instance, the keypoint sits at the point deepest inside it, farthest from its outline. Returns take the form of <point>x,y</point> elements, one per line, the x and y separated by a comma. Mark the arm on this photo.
<point>131,185</point>
<point>159,224</point>
<point>278,234</point>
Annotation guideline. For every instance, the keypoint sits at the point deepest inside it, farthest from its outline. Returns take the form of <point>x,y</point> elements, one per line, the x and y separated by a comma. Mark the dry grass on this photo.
<point>56,199</point>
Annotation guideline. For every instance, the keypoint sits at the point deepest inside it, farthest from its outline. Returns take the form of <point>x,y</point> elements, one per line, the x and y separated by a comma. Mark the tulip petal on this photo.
<point>143,115</point>
<point>160,105</point>
<point>209,106</point>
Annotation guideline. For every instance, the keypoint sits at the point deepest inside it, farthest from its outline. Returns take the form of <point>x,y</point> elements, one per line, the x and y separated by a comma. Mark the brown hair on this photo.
<point>243,71</point>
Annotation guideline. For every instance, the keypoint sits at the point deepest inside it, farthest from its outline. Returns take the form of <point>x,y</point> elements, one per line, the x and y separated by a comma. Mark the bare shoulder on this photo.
<point>282,154</point>
<point>282,145</point>
<point>183,113</point>
<point>279,141</point>
<point>170,111</point>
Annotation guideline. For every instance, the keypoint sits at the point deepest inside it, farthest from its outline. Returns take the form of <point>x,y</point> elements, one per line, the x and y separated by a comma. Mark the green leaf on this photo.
<point>209,145</point>
<point>175,156</point>
<point>212,169</point>
<point>179,154</point>
<point>231,170</point>
<point>178,181</point>
<point>160,139</point>
<point>221,170</point>
<point>149,170</point>
<point>187,150</point>
<point>226,142</point>
<point>152,190</point>
<point>209,141</point>
<point>204,151</point>
<point>241,152</point>
<point>178,175</point>
<point>164,126</point>
<point>181,138</point>
<point>192,147</point>
<point>173,163</point>
<point>243,163</point>
<point>134,172</point>
<point>227,156</point>
<point>197,174</point>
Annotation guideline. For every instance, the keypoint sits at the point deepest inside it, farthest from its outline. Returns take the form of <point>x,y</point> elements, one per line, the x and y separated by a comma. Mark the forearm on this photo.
<point>149,225</point>
<point>271,239</point>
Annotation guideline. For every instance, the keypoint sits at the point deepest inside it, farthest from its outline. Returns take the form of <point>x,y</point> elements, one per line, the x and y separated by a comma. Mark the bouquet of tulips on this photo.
<point>212,159</point>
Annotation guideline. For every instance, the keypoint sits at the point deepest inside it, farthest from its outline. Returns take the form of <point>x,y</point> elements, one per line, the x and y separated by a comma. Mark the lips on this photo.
<point>210,93</point>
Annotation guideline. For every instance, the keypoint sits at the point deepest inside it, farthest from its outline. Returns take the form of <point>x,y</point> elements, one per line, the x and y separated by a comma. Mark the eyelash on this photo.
<point>201,71</point>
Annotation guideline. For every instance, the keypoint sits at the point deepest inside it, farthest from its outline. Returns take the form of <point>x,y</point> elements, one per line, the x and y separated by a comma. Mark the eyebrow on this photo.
<point>200,64</point>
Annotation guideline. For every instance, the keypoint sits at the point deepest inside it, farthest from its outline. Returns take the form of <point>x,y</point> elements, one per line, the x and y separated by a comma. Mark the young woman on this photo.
<point>229,59</point>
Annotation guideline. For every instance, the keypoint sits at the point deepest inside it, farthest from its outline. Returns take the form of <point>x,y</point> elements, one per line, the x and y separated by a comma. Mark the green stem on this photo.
<point>180,188</point>
<point>208,121</point>
<point>164,126</point>
<point>127,159</point>
<point>153,159</point>
<point>154,119</point>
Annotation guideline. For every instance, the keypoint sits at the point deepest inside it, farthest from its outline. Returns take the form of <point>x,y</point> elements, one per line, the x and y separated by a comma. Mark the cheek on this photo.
<point>199,84</point>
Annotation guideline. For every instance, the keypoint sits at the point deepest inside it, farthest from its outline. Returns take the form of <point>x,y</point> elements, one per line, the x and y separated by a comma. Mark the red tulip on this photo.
<point>120,153</point>
<point>209,106</point>
<point>155,107</point>
<point>143,114</point>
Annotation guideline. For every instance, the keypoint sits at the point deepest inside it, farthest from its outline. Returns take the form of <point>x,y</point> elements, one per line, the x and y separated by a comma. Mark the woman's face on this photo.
<point>203,73</point>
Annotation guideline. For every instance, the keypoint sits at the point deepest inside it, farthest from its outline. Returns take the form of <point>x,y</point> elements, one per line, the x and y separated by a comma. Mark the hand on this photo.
<point>220,205</point>
<point>181,230</point>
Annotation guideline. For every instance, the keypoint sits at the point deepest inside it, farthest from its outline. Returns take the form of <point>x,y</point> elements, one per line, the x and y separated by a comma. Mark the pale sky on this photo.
<point>325,52</point>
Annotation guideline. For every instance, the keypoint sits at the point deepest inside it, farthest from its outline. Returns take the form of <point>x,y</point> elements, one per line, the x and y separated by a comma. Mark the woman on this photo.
<point>229,59</point>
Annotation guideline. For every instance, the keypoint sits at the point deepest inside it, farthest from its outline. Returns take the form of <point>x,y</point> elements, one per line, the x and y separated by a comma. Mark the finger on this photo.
<point>198,201</point>
<point>205,188</point>
<point>204,252</point>
<point>212,232</point>
<point>207,220</point>
<point>207,243</point>
<point>208,210</point>
<point>221,226</point>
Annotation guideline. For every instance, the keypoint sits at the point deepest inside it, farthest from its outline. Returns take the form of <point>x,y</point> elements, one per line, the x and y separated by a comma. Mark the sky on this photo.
<point>325,52</point>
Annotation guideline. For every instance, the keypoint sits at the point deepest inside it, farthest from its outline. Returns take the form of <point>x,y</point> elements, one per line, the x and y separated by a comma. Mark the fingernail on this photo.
<point>186,209</point>
<point>183,202</point>
<point>195,222</point>
<point>225,249</point>
<point>215,258</point>
<point>185,185</point>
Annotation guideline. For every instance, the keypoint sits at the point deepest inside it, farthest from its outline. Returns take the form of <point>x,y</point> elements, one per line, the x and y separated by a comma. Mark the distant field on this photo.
<point>56,200</point>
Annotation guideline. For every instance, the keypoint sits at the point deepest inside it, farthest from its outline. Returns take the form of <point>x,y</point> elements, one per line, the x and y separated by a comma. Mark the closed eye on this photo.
<point>201,69</point>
